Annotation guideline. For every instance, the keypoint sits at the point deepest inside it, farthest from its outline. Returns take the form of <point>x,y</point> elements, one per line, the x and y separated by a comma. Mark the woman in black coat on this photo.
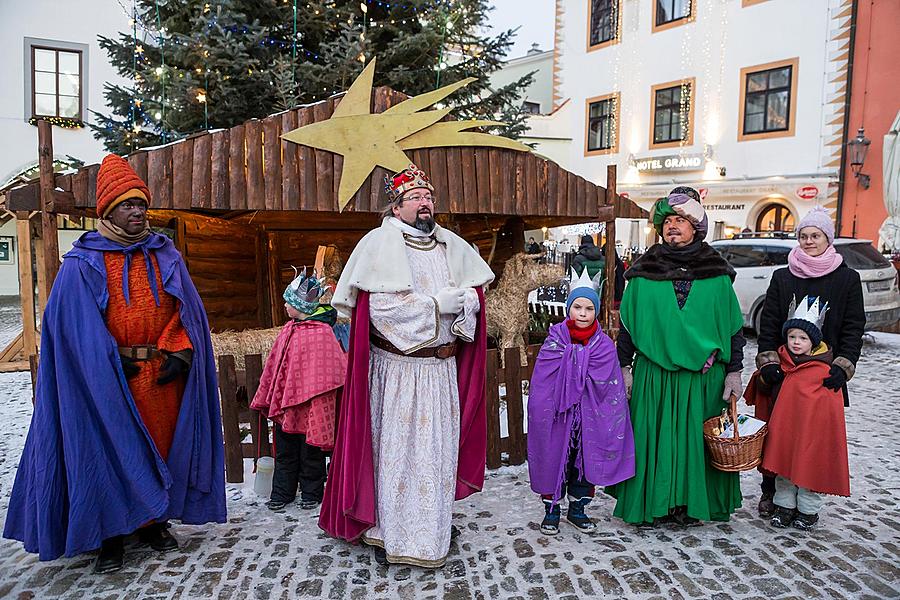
<point>814,269</point>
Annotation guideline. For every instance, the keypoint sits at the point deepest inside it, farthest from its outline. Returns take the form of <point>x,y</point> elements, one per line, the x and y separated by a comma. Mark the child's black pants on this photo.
<point>296,462</point>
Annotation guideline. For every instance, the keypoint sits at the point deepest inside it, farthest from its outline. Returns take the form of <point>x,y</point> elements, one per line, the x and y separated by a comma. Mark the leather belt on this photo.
<point>442,351</point>
<point>140,353</point>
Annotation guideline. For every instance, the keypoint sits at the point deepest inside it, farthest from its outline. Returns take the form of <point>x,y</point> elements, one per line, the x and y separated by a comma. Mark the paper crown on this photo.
<point>809,310</point>
<point>303,292</point>
<point>409,178</point>
<point>584,280</point>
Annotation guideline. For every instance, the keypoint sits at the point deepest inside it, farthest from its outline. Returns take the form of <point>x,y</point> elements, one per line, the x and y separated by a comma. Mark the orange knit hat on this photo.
<point>116,182</point>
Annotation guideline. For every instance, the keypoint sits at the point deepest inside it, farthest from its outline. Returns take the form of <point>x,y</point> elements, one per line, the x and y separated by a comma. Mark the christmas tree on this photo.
<point>197,65</point>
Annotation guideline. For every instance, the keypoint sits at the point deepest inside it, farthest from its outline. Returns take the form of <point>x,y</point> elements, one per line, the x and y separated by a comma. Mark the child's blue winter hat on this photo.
<point>582,287</point>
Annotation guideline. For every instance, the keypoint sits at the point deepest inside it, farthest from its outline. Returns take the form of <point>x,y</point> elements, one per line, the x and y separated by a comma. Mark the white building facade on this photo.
<point>743,100</point>
<point>53,67</point>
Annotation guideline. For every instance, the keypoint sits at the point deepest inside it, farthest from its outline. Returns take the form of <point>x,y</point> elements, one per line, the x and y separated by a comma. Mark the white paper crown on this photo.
<point>809,310</point>
<point>584,280</point>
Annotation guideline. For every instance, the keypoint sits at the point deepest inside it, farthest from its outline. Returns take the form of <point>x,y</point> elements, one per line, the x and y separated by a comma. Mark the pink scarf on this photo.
<point>805,266</point>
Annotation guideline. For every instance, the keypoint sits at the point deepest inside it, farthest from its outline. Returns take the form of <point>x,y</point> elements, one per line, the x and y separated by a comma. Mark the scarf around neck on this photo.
<point>130,244</point>
<point>581,335</point>
<point>805,266</point>
<point>116,234</point>
<point>697,260</point>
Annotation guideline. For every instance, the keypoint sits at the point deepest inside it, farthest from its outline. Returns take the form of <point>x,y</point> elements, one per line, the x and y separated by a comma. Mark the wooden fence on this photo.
<point>237,387</point>
<point>511,377</point>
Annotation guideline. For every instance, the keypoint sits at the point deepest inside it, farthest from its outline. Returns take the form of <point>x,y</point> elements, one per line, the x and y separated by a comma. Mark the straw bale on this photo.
<point>241,343</point>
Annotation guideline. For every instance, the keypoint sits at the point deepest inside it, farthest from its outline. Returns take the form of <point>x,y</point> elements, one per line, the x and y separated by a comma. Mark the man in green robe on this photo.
<point>681,350</point>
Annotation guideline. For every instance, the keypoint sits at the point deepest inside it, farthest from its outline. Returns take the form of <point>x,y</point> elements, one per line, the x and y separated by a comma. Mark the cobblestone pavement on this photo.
<point>854,553</point>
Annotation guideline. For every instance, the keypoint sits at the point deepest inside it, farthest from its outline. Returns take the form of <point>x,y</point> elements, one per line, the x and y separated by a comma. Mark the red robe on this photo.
<point>141,322</point>
<point>301,381</point>
<point>807,439</point>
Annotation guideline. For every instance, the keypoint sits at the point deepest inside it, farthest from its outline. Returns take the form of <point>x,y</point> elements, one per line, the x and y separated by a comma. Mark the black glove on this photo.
<point>836,378</point>
<point>130,367</point>
<point>772,374</point>
<point>174,367</point>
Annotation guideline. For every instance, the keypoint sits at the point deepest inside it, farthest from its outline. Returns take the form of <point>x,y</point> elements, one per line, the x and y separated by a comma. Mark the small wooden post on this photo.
<point>40,273</point>
<point>26,284</point>
<point>259,425</point>
<point>515,414</point>
<point>49,238</point>
<point>609,291</point>
<point>492,408</point>
<point>234,456</point>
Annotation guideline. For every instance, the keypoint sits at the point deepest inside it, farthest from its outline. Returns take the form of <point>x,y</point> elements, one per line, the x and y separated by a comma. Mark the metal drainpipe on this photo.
<point>843,170</point>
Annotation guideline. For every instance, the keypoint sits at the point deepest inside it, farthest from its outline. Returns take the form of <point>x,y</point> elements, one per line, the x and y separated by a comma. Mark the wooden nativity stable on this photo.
<point>243,206</point>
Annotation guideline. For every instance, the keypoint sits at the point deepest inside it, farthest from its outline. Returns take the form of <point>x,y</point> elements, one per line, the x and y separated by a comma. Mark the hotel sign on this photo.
<point>670,163</point>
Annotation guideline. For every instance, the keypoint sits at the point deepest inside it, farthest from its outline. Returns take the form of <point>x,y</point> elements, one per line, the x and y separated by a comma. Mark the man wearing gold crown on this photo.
<point>411,430</point>
<point>681,330</point>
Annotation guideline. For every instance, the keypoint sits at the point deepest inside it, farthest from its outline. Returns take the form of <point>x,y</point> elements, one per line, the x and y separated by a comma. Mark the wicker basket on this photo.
<point>740,453</point>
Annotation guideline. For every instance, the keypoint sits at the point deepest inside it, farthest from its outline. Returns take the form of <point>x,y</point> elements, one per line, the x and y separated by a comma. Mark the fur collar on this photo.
<point>699,260</point>
<point>379,264</point>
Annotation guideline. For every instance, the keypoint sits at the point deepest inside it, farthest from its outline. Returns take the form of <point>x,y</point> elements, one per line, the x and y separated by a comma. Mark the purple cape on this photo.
<point>575,386</point>
<point>89,469</point>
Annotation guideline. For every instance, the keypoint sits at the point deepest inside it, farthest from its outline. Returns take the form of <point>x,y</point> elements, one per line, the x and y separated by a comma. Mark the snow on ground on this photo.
<point>501,553</point>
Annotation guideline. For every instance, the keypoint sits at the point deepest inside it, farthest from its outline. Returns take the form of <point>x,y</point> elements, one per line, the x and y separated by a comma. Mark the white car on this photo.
<point>756,258</point>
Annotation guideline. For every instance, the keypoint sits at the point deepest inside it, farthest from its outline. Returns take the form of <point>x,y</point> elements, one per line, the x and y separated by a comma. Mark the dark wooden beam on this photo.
<point>609,291</point>
<point>49,238</point>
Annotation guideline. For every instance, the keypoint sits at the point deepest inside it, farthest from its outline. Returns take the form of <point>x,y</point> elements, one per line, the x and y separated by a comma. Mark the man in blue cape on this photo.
<point>126,431</point>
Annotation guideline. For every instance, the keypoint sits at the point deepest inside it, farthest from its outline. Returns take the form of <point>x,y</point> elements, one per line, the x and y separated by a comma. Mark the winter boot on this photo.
<point>575,515</point>
<point>783,517</point>
<point>766,505</point>
<point>550,524</point>
<point>112,555</point>
<point>804,521</point>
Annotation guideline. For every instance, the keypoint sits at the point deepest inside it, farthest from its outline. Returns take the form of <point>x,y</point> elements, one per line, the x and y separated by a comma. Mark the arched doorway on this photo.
<point>775,217</point>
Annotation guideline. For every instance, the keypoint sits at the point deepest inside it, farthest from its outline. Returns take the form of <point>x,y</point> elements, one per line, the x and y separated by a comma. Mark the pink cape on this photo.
<point>301,381</point>
<point>348,508</point>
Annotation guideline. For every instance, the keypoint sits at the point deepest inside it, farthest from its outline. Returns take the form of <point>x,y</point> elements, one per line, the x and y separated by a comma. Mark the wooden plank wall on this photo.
<point>289,249</point>
<point>248,167</point>
<point>222,259</point>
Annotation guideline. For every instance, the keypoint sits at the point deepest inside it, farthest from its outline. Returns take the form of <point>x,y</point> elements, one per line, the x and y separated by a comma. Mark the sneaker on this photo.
<point>575,515</point>
<point>783,517</point>
<point>550,524</point>
<point>805,522</point>
<point>766,506</point>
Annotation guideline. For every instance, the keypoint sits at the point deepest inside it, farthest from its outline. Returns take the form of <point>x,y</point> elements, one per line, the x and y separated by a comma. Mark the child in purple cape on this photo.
<point>579,427</point>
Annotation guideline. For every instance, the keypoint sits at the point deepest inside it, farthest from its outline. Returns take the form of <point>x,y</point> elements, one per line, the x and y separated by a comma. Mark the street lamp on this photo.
<point>858,149</point>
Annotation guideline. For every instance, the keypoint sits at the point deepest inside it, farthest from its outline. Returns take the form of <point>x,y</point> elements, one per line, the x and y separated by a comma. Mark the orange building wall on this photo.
<point>874,102</point>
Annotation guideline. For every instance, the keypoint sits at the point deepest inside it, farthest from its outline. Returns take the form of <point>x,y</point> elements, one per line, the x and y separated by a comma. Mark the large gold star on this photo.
<point>367,140</point>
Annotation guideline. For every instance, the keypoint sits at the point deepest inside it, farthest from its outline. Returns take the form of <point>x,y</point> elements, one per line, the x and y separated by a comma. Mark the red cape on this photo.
<point>301,380</point>
<point>348,508</point>
<point>807,439</point>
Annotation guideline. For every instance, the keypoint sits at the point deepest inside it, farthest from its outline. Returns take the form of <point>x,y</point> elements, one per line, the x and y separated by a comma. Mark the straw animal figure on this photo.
<point>507,304</point>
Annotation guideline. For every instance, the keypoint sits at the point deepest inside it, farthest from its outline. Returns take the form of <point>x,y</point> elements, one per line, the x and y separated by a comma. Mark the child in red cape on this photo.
<point>806,446</point>
<point>299,390</point>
